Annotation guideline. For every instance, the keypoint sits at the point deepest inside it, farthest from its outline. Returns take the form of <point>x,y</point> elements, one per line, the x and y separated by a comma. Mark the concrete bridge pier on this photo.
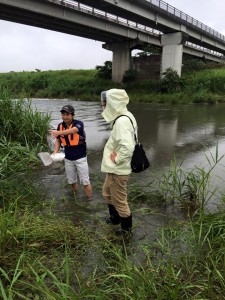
<point>121,57</point>
<point>172,51</point>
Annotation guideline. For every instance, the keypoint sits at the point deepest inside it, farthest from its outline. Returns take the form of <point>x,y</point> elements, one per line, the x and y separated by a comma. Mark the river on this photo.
<point>189,133</point>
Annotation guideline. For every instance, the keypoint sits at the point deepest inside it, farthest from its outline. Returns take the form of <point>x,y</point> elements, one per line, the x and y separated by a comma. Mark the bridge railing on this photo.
<point>161,5</point>
<point>102,14</point>
<point>113,18</point>
<point>186,18</point>
<point>203,49</point>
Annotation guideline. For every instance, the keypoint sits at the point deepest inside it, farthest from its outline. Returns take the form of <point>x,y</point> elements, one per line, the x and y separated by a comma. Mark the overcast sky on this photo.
<point>25,48</point>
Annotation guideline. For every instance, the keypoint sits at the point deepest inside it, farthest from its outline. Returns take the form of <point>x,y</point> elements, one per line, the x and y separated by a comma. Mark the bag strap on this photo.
<point>135,136</point>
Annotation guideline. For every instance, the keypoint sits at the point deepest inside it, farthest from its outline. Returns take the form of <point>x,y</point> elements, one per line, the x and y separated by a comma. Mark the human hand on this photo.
<point>54,133</point>
<point>113,156</point>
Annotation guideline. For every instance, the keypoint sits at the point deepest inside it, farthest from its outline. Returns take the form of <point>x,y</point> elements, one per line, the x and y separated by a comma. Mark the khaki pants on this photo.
<point>114,190</point>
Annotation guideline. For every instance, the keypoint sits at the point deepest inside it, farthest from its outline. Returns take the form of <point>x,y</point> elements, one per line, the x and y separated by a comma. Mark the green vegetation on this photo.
<point>44,256</point>
<point>23,135</point>
<point>105,71</point>
<point>191,190</point>
<point>204,85</point>
<point>129,76</point>
<point>82,84</point>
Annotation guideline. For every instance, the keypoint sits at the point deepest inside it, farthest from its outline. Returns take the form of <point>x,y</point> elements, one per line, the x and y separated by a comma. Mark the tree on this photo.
<point>105,71</point>
<point>170,82</point>
<point>150,50</point>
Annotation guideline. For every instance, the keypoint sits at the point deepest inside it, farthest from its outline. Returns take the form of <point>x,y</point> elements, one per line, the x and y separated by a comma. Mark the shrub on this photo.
<point>129,76</point>
<point>170,82</point>
<point>105,71</point>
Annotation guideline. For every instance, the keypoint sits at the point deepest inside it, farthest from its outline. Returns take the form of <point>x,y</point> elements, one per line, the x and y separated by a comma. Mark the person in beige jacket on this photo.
<point>117,156</point>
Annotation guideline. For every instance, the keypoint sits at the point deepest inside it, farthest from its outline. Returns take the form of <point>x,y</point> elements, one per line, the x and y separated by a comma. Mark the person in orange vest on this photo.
<point>70,134</point>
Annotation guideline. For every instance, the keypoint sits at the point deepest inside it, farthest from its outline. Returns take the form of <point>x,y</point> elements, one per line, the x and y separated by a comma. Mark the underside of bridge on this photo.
<point>118,38</point>
<point>60,24</point>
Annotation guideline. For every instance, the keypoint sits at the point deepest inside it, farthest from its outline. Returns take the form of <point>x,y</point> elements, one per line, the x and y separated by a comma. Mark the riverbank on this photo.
<point>51,256</point>
<point>205,86</point>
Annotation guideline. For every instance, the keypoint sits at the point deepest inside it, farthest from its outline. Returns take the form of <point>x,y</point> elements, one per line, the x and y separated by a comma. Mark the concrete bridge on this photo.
<point>123,25</point>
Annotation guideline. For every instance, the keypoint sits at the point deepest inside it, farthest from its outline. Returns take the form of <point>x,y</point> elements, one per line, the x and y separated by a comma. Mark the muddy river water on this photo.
<point>188,132</point>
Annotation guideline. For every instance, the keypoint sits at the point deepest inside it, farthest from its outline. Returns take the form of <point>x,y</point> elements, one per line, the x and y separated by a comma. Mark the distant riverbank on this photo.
<point>206,86</point>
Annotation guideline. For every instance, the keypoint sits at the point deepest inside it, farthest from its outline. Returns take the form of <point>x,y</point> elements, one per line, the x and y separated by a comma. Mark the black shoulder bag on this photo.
<point>139,160</point>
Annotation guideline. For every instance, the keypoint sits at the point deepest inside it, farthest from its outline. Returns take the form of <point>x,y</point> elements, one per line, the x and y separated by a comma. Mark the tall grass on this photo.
<point>209,80</point>
<point>186,261</point>
<point>205,86</point>
<point>82,84</point>
<point>23,134</point>
<point>191,189</point>
<point>20,123</point>
<point>43,257</point>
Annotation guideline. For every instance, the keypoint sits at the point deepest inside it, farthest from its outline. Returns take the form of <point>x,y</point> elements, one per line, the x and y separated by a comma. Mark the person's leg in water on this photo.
<point>114,218</point>
<point>74,187</point>
<point>119,200</point>
<point>83,173</point>
<point>71,174</point>
<point>88,191</point>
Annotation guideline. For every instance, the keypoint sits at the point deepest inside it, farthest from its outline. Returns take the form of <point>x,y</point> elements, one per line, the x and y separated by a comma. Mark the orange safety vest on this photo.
<point>70,139</point>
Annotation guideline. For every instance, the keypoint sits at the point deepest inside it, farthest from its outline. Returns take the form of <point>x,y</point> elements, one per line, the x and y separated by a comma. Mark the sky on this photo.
<point>26,48</point>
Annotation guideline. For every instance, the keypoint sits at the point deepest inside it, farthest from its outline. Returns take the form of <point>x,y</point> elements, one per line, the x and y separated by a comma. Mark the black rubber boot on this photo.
<point>114,218</point>
<point>126,226</point>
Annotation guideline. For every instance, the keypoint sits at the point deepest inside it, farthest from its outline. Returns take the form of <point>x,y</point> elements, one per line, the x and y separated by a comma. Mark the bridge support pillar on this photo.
<point>172,51</point>
<point>121,58</point>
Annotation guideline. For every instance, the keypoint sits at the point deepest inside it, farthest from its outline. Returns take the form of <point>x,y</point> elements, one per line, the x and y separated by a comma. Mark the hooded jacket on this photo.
<point>121,139</point>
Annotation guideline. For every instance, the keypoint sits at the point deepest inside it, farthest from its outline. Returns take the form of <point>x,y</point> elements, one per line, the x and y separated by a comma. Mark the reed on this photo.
<point>22,123</point>
<point>56,84</point>
<point>205,86</point>
<point>192,189</point>
<point>186,260</point>
<point>24,134</point>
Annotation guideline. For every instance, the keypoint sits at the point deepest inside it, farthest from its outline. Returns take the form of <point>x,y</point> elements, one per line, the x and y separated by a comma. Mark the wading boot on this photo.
<point>114,217</point>
<point>126,226</point>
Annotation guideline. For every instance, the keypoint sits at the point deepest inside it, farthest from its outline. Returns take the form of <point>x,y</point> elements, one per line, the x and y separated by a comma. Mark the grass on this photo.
<point>47,257</point>
<point>23,134</point>
<point>191,189</point>
<point>43,257</point>
<point>202,86</point>
<point>185,262</point>
<point>20,123</point>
